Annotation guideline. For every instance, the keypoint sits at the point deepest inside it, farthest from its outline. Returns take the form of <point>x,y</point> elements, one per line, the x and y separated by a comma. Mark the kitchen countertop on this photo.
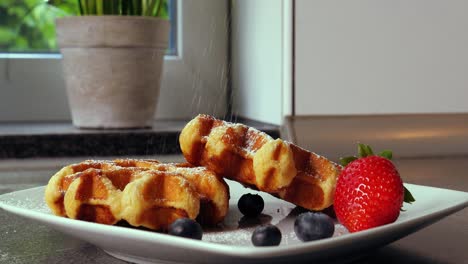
<point>429,150</point>
<point>442,242</point>
<point>407,135</point>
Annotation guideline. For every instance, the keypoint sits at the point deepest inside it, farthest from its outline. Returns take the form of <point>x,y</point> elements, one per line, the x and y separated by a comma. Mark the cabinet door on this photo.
<point>380,56</point>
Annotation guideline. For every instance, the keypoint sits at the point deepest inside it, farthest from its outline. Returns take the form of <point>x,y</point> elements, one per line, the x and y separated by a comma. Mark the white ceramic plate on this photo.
<point>231,243</point>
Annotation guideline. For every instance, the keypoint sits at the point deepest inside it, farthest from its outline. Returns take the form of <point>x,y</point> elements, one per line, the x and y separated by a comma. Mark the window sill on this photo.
<point>61,139</point>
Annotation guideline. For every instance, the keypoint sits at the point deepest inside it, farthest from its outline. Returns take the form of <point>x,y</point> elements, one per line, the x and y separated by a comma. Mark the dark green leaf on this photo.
<point>346,160</point>
<point>408,198</point>
<point>386,154</point>
<point>364,150</point>
<point>368,149</point>
<point>130,7</point>
<point>124,7</point>
<point>361,151</point>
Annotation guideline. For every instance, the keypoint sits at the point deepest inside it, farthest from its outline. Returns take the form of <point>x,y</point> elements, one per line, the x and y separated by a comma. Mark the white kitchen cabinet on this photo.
<point>381,57</point>
<point>326,57</point>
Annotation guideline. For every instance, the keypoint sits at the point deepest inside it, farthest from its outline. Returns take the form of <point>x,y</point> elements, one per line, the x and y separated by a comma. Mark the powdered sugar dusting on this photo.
<point>235,230</point>
<point>254,138</point>
<point>34,200</point>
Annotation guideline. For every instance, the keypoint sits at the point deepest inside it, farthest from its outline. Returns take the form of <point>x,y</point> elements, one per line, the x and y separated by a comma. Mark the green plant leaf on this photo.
<point>92,7</point>
<point>124,8</point>
<point>154,4</point>
<point>138,9</point>
<point>130,7</point>
<point>99,7</point>
<point>6,35</point>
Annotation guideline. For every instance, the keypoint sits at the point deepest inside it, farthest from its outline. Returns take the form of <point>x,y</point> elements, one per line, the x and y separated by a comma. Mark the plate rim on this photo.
<point>425,219</point>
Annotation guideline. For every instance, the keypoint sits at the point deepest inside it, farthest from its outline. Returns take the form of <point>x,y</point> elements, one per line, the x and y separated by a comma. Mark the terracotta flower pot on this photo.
<point>112,67</point>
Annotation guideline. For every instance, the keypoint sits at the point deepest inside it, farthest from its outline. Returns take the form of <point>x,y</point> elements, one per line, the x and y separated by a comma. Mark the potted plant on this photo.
<point>112,61</point>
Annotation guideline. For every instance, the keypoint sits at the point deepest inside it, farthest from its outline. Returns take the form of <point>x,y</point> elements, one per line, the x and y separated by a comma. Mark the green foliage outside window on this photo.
<point>28,25</point>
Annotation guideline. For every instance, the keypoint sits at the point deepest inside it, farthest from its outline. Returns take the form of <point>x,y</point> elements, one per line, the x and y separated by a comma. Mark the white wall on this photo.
<point>380,56</point>
<point>260,46</point>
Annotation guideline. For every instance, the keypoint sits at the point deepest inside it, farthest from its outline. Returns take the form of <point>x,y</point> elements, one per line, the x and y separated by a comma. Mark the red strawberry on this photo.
<point>369,191</point>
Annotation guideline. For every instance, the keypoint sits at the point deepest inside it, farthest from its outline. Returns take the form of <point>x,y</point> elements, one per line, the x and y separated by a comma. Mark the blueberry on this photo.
<point>250,205</point>
<point>186,227</point>
<point>312,226</point>
<point>266,235</point>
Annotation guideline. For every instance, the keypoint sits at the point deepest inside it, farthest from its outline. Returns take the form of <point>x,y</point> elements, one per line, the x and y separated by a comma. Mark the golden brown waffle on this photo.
<point>106,184</point>
<point>147,198</point>
<point>157,199</point>
<point>253,158</point>
<point>60,182</point>
<point>213,190</point>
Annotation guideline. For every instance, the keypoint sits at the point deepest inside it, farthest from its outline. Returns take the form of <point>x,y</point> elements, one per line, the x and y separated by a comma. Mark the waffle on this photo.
<point>213,190</point>
<point>113,191</point>
<point>60,182</point>
<point>157,199</point>
<point>256,160</point>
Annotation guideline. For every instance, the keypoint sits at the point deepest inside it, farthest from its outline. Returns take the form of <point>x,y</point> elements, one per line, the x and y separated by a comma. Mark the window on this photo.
<point>27,26</point>
<point>195,70</point>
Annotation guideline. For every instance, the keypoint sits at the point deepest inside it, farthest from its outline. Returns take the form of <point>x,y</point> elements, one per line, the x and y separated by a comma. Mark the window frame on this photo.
<point>262,60</point>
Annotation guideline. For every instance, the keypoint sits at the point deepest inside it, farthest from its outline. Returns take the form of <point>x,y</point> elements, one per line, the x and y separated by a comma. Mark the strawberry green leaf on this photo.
<point>369,150</point>
<point>346,160</point>
<point>386,154</point>
<point>408,196</point>
<point>362,151</point>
